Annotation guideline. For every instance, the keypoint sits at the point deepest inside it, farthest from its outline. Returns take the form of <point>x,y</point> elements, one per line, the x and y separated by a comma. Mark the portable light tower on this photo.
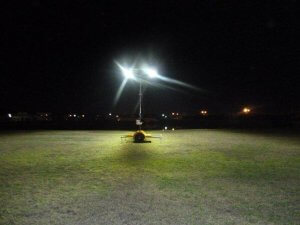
<point>139,136</point>
<point>136,74</point>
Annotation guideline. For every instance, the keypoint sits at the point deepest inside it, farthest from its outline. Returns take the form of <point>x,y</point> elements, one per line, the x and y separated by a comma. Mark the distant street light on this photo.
<point>246,110</point>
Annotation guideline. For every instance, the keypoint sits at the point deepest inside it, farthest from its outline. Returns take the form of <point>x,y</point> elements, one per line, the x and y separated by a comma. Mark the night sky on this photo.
<point>59,56</point>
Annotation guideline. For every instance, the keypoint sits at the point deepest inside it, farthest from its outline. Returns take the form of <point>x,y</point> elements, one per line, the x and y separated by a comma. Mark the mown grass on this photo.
<point>191,177</point>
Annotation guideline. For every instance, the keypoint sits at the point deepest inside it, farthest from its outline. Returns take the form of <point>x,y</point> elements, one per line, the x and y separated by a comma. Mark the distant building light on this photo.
<point>246,110</point>
<point>166,128</point>
<point>9,115</point>
<point>173,129</point>
<point>203,112</point>
<point>162,115</point>
<point>117,116</point>
<point>46,114</point>
<point>166,117</point>
<point>173,114</point>
<point>74,115</point>
<point>177,114</point>
<point>83,115</point>
<point>109,114</point>
<point>70,115</point>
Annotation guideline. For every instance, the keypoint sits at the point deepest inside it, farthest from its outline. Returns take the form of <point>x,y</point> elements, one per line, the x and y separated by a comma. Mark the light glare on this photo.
<point>152,73</point>
<point>128,73</point>
<point>246,110</point>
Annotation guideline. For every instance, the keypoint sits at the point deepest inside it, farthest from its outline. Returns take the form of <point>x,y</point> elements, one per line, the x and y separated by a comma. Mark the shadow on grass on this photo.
<point>135,154</point>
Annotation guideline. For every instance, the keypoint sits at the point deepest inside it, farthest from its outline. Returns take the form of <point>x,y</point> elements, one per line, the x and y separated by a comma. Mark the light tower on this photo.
<point>137,74</point>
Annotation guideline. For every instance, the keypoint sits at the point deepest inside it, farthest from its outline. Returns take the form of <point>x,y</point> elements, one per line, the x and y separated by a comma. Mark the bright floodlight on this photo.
<point>128,73</point>
<point>152,73</point>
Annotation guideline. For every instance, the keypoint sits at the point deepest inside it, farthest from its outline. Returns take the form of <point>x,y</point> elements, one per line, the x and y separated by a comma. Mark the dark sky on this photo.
<point>59,56</point>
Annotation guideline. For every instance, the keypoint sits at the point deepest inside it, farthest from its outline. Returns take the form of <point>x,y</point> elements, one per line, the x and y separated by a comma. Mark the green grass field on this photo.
<point>191,177</point>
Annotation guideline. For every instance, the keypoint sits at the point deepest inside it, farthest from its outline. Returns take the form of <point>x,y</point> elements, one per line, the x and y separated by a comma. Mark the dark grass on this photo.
<point>191,177</point>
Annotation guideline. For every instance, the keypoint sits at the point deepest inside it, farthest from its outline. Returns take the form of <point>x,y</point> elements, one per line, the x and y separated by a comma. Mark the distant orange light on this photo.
<point>203,112</point>
<point>246,110</point>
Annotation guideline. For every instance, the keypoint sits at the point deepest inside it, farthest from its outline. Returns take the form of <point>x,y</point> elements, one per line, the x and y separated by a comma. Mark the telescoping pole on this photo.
<point>140,95</point>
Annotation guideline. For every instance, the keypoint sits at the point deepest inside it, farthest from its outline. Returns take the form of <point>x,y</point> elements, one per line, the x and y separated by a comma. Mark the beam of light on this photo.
<point>163,86</point>
<point>152,73</point>
<point>120,90</point>
<point>180,83</point>
<point>129,73</point>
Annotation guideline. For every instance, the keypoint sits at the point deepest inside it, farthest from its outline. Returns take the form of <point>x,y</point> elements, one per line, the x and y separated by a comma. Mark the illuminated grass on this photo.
<point>191,177</point>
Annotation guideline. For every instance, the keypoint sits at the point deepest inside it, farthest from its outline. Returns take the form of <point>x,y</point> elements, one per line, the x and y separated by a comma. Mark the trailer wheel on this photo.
<point>139,137</point>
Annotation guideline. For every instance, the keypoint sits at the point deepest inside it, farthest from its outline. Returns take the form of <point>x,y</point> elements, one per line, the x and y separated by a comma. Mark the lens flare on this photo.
<point>152,73</point>
<point>127,72</point>
<point>177,82</point>
<point>120,90</point>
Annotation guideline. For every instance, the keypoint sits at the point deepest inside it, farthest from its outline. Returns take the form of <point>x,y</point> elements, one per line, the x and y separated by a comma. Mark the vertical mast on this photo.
<point>140,95</point>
